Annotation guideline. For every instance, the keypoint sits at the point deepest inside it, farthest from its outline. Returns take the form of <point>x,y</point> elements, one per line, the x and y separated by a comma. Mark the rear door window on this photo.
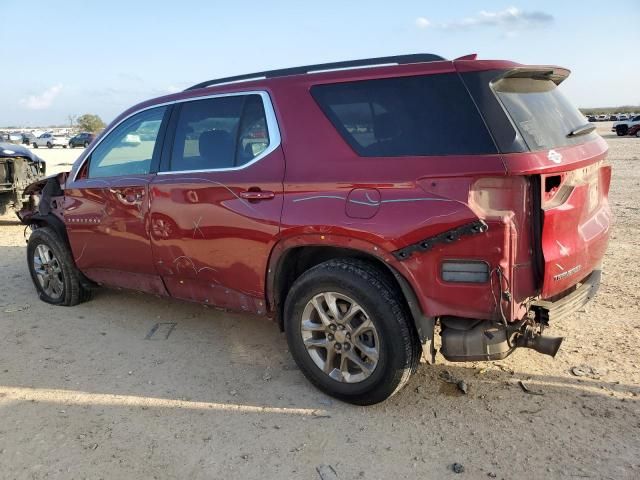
<point>407,116</point>
<point>219,133</point>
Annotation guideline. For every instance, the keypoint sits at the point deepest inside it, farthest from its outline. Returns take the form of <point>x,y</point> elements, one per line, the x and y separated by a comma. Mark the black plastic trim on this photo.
<point>449,236</point>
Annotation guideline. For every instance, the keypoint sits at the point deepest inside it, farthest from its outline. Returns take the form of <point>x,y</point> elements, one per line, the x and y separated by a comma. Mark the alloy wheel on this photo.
<point>340,337</point>
<point>49,271</point>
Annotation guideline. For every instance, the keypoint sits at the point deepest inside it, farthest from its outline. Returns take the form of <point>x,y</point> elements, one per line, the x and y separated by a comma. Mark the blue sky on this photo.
<point>75,57</point>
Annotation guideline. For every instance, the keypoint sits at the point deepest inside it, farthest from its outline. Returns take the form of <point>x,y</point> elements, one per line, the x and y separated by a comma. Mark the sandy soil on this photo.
<point>84,394</point>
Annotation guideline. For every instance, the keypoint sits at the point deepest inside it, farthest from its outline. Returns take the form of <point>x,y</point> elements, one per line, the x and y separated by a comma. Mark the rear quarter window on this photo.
<point>408,116</point>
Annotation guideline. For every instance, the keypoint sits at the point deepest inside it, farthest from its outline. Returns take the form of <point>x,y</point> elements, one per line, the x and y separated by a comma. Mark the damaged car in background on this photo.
<point>19,167</point>
<point>385,223</point>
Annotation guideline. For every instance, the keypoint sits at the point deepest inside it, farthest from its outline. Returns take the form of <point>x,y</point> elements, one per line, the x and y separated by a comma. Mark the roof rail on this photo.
<point>365,62</point>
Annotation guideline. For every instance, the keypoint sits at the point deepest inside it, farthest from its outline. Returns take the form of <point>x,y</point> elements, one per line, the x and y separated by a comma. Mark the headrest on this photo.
<point>216,148</point>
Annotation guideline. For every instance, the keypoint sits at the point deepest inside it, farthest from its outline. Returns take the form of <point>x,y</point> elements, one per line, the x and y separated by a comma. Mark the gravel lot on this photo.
<point>85,394</point>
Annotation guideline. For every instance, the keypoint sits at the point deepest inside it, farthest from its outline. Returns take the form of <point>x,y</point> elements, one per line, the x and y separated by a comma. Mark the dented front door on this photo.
<point>106,209</point>
<point>216,202</point>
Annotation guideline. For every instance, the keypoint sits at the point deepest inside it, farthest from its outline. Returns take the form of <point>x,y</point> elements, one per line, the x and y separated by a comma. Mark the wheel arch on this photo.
<point>59,228</point>
<point>53,222</point>
<point>290,259</point>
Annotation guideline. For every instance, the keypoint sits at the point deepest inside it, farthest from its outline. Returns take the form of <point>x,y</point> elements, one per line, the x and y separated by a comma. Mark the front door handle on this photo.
<point>257,194</point>
<point>128,196</point>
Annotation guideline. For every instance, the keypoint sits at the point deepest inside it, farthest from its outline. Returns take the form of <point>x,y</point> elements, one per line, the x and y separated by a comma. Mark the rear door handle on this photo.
<point>257,194</point>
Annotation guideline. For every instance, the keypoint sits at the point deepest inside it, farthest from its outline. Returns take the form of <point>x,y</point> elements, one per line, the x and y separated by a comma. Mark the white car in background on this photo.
<point>621,128</point>
<point>51,140</point>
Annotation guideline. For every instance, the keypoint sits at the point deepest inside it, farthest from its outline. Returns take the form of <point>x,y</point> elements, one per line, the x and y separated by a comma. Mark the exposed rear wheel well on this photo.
<point>298,260</point>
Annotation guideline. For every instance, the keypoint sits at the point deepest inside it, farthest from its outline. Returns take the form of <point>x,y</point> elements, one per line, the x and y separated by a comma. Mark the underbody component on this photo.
<point>465,340</point>
<point>449,236</point>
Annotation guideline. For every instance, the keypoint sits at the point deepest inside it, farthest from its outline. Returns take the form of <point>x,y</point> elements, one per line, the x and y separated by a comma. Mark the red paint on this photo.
<point>216,237</point>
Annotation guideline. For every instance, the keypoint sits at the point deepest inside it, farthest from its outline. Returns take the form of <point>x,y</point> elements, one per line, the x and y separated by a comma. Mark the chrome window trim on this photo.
<point>272,129</point>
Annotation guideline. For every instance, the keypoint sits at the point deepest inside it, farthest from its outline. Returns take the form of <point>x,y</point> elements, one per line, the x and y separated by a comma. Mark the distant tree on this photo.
<point>89,123</point>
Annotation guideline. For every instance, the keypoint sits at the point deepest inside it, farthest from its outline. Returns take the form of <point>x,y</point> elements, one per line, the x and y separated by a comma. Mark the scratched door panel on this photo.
<point>106,223</point>
<point>209,243</point>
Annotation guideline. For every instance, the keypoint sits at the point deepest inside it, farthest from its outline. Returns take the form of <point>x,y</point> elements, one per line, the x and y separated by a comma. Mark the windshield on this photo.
<point>542,114</point>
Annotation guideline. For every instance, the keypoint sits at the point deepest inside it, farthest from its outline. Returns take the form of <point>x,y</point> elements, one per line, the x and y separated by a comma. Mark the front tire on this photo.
<point>35,145</point>
<point>349,331</point>
<point>49,145</point>
<point>53,271</point>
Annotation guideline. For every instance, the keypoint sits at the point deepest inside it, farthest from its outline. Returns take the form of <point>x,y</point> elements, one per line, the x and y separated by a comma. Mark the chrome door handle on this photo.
<point>128,196</point>
<point>256,195</point>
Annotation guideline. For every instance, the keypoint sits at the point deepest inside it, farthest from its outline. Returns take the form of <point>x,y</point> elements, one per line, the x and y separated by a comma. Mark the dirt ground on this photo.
<point>85,394</point>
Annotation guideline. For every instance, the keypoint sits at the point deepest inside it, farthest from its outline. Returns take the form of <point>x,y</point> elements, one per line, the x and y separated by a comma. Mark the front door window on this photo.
<point>129,148</point>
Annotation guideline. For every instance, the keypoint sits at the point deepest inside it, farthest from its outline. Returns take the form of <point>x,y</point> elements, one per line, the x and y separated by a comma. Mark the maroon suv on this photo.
<point>356,204</point>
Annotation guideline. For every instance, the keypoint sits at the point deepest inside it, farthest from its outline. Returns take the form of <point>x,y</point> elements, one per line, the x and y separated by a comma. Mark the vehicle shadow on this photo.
<point>123,343</point>
<point>7,220</point>
<point>176,345</point>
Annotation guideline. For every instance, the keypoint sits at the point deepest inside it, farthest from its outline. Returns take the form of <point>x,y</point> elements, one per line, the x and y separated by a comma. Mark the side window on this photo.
<point>129,148</point>
<point>217,133</point>
<point>406,116</point>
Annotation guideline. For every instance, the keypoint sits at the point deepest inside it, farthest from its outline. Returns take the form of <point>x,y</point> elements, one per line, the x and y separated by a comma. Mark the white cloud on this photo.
<point>44,100</point>
<point>511,19</point>
<point>422,22</point>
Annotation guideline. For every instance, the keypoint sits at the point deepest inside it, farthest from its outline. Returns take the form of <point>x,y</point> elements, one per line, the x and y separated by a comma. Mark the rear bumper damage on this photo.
<point>564,305</point>
<point>466,340</point>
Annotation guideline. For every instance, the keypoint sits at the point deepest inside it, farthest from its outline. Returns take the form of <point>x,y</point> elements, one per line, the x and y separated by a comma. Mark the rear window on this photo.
<point>542,114</point>
<point>408,116</point>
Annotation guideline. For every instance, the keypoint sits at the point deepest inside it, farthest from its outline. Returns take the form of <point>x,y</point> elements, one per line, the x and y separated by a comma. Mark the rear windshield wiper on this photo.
<point>583,130</point>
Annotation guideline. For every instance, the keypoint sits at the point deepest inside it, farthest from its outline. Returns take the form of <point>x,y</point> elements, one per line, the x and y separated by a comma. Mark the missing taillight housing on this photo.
<point>556,189</point>
<point>552,183</point>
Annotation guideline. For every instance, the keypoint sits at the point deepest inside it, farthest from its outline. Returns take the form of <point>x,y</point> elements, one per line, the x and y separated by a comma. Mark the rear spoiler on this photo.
<point>512,69</point>
<point>556,74</point>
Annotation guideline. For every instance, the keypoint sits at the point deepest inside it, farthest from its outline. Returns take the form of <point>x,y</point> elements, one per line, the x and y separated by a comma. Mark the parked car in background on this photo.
<point>81,140</point>
<point>18,168</point>
<point>592,118</point>
<point>623,116</point>
<point>51,140</point>
<point>28,138</point>
<point>379,222</point>
<point>613,118</point>
<point>132,139</point>
<point>635,130</point>
<point>602,118</point>
<point>621,128</point>
<point>11,137</point>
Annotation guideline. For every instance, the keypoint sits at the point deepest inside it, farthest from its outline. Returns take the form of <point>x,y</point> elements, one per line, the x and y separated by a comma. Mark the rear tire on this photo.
<point>53,271</point>
<point>622,130</point>
<point>35,145</point>
<point>383,350</point>
<point>49,145</point>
